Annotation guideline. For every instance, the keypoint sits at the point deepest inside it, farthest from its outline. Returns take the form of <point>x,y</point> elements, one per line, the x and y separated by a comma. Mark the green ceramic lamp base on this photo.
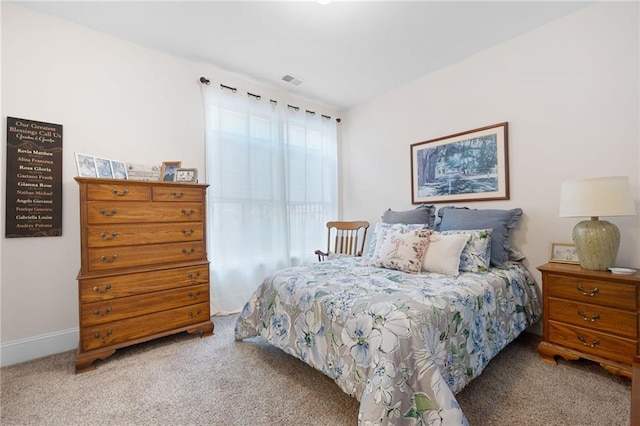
<point>597,243</point>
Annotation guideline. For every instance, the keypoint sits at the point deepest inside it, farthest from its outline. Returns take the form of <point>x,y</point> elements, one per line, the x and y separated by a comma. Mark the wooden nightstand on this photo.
<point>590,314</point>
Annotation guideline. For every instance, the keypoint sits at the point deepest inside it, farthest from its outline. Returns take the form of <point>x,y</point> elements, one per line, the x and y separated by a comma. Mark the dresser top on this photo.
<point>124,182</point>
<point>578,271</point>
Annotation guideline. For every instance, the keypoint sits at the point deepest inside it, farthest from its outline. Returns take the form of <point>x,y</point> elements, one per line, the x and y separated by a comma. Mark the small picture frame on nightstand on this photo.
<point>563,253</point>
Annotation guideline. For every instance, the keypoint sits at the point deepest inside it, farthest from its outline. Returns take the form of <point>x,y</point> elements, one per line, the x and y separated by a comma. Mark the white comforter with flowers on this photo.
<point>402,344</point>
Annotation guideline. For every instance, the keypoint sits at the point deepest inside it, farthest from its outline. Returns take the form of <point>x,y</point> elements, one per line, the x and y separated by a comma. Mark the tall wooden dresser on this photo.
<point>590,314</point>
<point>144,271</point>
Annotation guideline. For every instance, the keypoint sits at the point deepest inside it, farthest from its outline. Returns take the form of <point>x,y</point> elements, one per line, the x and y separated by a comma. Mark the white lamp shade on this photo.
<point>595,197</point>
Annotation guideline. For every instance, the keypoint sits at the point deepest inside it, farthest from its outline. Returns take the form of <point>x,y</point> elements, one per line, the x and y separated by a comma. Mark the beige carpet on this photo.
<point>185,380</point>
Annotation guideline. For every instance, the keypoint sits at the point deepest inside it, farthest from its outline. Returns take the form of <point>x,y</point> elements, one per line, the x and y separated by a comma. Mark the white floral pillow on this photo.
<point>443,253</point>
<point>380,231</point>
<point>476,254</point>
<point>403,249</point>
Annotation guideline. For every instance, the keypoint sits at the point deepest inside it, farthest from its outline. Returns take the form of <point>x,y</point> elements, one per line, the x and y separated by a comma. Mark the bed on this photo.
<point>402,342</point>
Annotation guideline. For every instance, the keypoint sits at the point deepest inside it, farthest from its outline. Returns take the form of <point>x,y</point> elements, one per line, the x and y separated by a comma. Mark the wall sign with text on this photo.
<point>34,179</point>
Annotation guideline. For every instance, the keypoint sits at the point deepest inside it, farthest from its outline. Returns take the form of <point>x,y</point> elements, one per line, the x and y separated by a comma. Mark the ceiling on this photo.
<point>345,52</point>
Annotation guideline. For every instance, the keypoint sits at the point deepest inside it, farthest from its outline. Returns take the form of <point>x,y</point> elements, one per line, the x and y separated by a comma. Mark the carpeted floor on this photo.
<point>185,380</point>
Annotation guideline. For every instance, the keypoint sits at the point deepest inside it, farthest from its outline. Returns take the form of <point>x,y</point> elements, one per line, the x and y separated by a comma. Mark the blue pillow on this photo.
<point>501,221</point>
<point>423,214</point>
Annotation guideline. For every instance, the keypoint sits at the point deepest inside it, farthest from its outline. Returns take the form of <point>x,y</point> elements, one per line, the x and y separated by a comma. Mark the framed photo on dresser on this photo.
<point>168,170</point>
<point>186,175</point>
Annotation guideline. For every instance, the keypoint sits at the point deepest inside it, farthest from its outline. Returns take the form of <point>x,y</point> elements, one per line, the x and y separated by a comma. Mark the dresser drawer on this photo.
<point>99,212</point>
<point>147,233</point>
<point>615,295</point>
<point>108,258</point>
<point>124,192</point>
<point>133,306</point>
<point>114,286</point>
<point>166,193</point>
<point>594,317</point>
<point>592,342</point>
<point>99,336</point>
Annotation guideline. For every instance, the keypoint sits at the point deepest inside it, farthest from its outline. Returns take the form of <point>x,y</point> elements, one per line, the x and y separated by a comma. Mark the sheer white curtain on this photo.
<point>272,173</point>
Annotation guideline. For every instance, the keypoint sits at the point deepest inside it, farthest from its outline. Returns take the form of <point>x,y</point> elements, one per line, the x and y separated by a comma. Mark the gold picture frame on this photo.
<point>168,170</point>
<point>563,253</point>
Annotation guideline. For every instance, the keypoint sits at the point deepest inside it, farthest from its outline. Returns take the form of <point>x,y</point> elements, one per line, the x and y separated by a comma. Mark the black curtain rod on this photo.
<point>206,82</point>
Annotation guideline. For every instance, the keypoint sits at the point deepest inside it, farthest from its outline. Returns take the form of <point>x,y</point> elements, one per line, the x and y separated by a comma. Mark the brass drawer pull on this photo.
<point>176,195</point>
<point>195,296</point>
<point>193,276</point>
<point>105,259</point>
<point>188,252</point>
<point>106,237</point>
<point>103,338</point>
<point>188,232</point>
<point>97,313</point>
<point>590,293</point>
<point>595,317</point>
<point>198,312</point>
<point>113,212</point>
<point>96,289</point>
<point>188,212</point>
<point>593,344</point>
<point>120,194</point>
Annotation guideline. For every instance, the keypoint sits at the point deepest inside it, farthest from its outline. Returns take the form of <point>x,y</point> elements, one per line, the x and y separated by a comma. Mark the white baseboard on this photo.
<point>39,346</point>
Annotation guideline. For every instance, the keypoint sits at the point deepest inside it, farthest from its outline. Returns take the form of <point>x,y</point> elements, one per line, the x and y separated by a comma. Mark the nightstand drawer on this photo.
<point>591,342</point>
<point>594,317</point>
<point>614,295</point>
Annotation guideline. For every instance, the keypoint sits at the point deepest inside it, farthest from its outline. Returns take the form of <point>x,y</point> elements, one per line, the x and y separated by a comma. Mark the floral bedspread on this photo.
<point>402,344</point>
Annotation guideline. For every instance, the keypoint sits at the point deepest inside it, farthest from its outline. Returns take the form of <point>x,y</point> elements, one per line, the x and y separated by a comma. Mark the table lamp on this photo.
<point>596,240</point>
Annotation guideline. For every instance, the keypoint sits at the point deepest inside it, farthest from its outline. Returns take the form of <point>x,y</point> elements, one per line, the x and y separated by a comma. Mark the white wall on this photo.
<point>570,93</point>
<point>115,100</point>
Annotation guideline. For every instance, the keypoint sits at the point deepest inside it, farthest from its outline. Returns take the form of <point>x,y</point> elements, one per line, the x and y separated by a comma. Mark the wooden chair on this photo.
<point>348,238</point>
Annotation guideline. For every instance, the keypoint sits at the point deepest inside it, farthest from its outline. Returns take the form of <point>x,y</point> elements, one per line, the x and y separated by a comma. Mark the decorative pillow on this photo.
<point>443,253</point>
<point>498,220</point>
<point>476,254</point>
<point>425,214</point>
<point>379,232</point>
<point>403,250</point>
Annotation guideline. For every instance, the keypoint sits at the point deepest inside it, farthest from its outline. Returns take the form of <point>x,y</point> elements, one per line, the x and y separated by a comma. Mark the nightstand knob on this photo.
<point>589,293</point>
<point>595,317</point>
<point>593,344</point>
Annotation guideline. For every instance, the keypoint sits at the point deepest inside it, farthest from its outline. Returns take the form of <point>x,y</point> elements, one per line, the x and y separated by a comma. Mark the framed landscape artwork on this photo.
<point>467,166</point>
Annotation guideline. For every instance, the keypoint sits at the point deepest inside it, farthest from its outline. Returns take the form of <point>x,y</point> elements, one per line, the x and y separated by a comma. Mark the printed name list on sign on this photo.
<point>34,179</point>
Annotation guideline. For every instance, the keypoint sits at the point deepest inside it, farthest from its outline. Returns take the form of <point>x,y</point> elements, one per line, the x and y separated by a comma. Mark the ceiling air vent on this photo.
<point>292,79</point>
